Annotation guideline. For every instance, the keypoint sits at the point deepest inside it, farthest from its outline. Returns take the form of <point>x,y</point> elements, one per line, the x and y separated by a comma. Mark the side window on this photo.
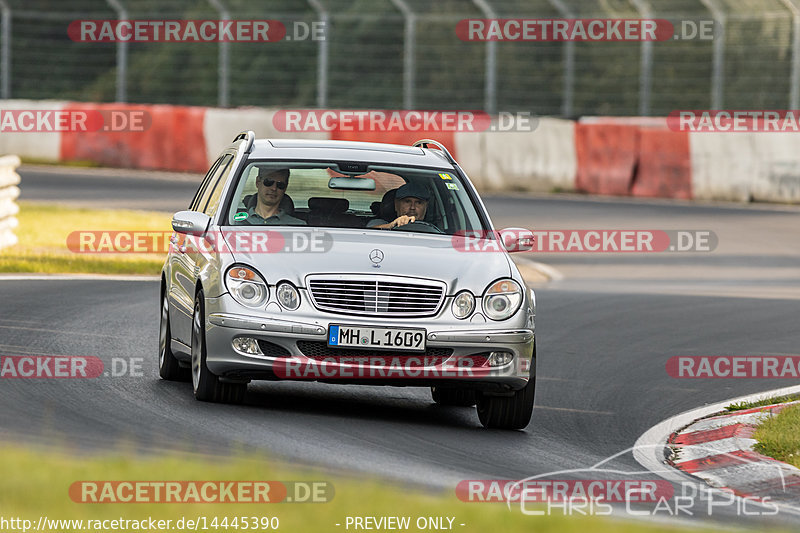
<point>213,201</point>
<point>212,184</point>
<point>203,185</point>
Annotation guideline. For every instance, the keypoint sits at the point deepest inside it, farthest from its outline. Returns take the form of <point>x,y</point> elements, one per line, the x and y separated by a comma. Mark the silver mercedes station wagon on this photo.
<point>347,262</point>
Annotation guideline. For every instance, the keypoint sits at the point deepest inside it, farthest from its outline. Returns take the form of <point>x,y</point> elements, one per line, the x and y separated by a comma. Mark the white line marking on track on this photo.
<point>68,332</point>
<point>75,277</point>
<point>567,409</point>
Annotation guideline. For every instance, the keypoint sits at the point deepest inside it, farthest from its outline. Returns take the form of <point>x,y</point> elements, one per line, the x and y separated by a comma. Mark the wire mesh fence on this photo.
<point>399,54</point>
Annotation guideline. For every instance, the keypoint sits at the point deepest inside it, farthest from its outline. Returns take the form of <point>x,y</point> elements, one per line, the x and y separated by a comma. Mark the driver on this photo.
<point>410,204</point>
<point>271,185</point>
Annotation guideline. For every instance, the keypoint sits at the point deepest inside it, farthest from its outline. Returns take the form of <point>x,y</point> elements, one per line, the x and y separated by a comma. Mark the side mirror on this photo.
<point>190,222</point>
<point>517,239</point>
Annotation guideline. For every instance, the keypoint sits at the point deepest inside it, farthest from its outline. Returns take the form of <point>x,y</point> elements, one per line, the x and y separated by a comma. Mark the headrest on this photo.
<point>328,205</point>
<point>387,211</point>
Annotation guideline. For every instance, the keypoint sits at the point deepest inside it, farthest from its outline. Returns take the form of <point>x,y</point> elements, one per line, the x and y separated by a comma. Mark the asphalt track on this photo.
<point>604,335</point>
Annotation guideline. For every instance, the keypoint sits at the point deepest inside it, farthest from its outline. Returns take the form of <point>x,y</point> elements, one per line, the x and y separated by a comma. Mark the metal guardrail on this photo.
<point>406,54</point>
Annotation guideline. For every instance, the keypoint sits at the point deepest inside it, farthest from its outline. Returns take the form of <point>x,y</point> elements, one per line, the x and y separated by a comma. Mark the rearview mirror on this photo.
<point>353,184</point>
<point>190,222</point>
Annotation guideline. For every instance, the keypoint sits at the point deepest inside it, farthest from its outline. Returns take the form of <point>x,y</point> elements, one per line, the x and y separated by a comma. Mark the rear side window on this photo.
<point>213,183</point>
<point>213,201</point>
<point>203,185</point>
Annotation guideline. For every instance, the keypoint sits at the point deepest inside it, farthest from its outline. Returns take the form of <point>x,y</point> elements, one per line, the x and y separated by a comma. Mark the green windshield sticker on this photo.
<point>241,215</point>
<point>452,186</point>
<point>446,176</point>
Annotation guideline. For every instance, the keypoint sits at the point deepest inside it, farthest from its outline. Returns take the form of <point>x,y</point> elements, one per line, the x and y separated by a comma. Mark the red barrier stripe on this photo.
<point>723,460</point>
<point>725,432</point>
<point>173,140</point>
<point>607,155</point>
<point>664,167</point>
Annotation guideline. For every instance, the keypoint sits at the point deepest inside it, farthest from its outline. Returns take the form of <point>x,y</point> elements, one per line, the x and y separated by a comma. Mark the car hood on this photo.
<point>291,254</point>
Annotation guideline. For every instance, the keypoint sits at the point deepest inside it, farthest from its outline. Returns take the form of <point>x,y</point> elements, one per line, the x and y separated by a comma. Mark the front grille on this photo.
<point>377,296</point>
<point>320,350</point>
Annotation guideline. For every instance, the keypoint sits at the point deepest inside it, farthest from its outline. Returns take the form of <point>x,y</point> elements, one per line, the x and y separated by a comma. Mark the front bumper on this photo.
<point>298,350</point>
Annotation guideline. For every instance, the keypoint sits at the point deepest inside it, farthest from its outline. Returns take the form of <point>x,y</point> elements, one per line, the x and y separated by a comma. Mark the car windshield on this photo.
<point>352,196</point>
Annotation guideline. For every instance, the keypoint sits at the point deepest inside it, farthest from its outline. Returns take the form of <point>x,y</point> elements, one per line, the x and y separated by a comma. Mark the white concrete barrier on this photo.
<point>9,192</point>
<point>777,172</point>
<point>220,126</point>
<point>538,160</point>
<point>724,166</point>
<point>745,166</point>
<point>41,145</point>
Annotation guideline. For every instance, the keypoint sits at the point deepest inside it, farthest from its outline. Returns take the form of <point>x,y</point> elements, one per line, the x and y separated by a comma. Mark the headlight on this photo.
<point>287,296</point>
<point>502,299</point>
<point>246,286</point>
<point>463,304</point>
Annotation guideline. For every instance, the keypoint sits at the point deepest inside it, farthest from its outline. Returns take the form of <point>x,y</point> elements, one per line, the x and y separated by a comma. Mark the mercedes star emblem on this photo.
<point>376,256</point>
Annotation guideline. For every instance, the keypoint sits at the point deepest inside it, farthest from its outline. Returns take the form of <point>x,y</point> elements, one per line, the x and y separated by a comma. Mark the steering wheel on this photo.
<point>418,225</point>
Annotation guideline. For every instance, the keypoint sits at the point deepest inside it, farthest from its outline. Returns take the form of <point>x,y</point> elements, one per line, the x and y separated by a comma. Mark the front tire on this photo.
<point>207,386</point>
<point>168,366</point>
<point>509,412</point>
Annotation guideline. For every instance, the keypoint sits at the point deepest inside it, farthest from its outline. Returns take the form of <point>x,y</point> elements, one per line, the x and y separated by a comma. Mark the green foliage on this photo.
<point>366,58</point>
<point>741,406</point>
<point>779,436</point>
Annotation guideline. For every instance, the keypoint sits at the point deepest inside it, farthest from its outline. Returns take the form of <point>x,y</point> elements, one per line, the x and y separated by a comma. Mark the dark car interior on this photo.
<point>336,213</point>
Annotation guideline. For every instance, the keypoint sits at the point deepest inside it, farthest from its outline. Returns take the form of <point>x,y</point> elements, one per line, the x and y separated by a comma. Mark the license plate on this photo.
<point>412,340</point>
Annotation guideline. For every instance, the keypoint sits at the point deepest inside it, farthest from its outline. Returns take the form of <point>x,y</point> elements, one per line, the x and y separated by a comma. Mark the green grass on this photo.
<point>43,231</point>
<point>779,436</point>
<point>83,163</point>
<point>763,402</point>
<point>36,482</point>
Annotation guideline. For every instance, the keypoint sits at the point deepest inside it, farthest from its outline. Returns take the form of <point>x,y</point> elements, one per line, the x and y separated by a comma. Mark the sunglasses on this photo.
<point>269,183</point>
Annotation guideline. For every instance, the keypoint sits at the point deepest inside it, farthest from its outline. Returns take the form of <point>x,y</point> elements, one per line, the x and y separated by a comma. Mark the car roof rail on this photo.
<point>423,143</point>
<point>248,137</point>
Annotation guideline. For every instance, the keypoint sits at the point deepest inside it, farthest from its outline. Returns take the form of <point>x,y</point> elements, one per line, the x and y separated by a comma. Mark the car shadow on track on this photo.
<point>352,402</point>
<point>393,404</point>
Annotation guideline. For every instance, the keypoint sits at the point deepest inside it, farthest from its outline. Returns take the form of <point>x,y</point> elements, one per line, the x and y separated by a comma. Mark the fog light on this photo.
<point>246,346</point>
<point>500,358</point>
